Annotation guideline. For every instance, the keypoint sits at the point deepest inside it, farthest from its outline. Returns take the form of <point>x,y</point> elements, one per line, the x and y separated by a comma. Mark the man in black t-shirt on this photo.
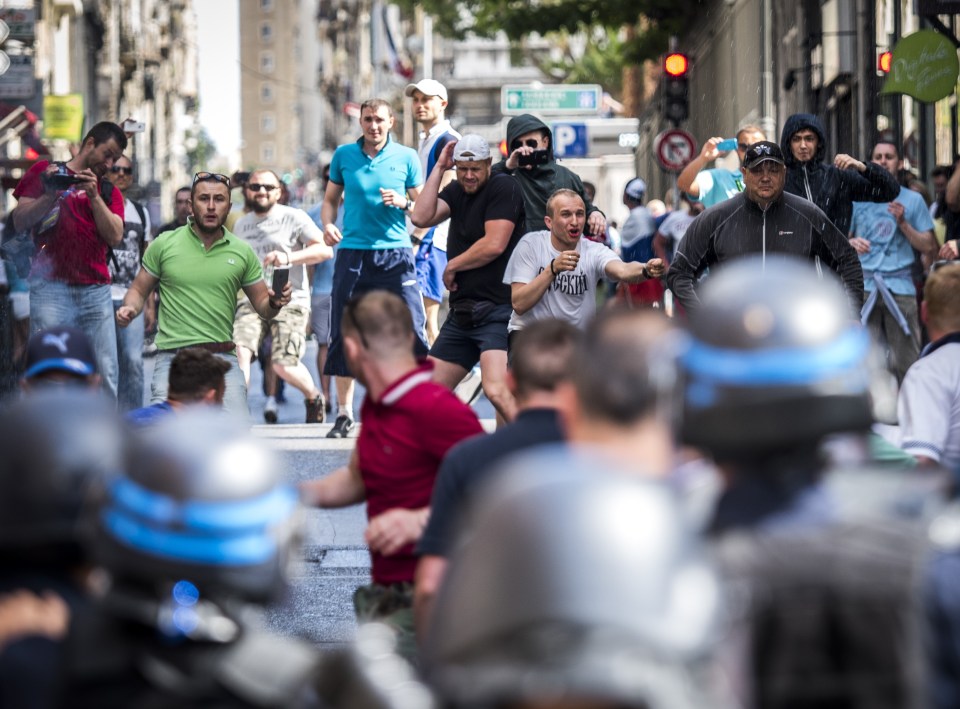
<point>540,364</point>
<point>486,222</point>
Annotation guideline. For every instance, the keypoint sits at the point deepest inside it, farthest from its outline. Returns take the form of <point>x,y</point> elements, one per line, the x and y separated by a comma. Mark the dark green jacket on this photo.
<point>540,181</point>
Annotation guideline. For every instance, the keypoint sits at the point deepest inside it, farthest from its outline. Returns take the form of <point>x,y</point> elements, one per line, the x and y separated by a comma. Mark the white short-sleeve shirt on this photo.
<point>572,296</point>
<point>929,405</point>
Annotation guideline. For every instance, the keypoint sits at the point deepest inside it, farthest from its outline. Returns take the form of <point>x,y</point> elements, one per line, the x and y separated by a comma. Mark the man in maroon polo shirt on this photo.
<point>409,424</point>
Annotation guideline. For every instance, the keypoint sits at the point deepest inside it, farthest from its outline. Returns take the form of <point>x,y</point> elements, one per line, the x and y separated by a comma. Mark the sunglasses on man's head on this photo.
<point>215,176</point>
<point>117,170</point>
<point>255,187</point>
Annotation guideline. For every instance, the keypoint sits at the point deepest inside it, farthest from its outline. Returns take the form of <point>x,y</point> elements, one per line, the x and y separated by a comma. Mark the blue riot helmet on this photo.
<point>202,501</point>
<point>573,583</point>
<point>55,444</point>
<point>775,361</point>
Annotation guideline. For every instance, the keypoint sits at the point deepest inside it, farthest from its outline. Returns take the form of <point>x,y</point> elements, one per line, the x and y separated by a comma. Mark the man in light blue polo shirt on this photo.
<point>378,179</point>
<point>885,236</point>
<point>718,184</point>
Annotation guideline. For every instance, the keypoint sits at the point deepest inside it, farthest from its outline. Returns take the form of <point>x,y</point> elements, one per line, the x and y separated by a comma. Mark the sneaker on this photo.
<point>270,412</point>
<point>315,409</point>
<point>341,428</point>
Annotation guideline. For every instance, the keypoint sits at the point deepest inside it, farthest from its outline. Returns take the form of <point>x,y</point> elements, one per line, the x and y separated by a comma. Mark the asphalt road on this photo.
<point>335,560</point>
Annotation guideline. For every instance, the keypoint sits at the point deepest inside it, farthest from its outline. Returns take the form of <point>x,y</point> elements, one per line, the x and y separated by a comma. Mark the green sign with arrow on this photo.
<point>924,66</point>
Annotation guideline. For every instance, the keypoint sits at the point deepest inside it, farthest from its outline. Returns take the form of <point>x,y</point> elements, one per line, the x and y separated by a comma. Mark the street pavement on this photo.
<point>335,560</point>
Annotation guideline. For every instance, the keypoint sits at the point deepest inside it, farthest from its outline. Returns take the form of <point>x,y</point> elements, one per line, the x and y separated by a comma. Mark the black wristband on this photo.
<point>645,272</point>
<point>551,267</point>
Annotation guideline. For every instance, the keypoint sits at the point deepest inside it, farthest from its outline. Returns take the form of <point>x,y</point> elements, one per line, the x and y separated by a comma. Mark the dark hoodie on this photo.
<point>832,189</point>
<point>540,181</point>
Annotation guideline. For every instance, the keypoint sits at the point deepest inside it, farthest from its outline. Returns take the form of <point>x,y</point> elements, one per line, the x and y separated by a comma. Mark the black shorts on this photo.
<point>463,345</point>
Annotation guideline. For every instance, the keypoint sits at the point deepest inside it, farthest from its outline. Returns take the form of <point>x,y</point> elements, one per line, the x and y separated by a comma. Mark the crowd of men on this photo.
<point>694,510</point>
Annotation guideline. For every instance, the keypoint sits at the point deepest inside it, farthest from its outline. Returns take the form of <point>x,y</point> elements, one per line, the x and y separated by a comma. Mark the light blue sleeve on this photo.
<point>415,173</point>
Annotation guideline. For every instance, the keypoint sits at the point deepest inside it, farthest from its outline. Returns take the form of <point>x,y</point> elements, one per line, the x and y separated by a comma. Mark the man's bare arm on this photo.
<point>429,575</point>
<point>341,488</point>
<point>136,296</point>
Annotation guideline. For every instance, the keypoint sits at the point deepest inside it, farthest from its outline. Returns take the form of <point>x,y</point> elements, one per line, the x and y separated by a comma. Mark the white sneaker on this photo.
<point>270,412</point>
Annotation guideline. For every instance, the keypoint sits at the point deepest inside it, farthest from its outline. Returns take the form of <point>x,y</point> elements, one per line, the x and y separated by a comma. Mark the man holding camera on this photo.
<point>532,162</point>
<point>486,222</point>
<point>75,217</point>
<point>286,240</point>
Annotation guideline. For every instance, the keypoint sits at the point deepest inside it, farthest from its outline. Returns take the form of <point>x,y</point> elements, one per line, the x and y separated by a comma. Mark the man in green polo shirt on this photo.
<point>199,268</point>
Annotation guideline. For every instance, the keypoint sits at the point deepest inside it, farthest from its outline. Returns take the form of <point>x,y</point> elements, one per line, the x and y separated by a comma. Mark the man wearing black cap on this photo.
<point>765,220</point>
<point>60,356</point>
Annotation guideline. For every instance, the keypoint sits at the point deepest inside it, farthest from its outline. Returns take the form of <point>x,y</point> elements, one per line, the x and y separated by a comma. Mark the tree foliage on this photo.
<point>653,21</point>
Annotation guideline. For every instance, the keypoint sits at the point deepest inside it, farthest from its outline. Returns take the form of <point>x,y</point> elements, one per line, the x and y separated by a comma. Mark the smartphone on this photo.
<point>537,157</point>
<point>130,126</point>
<point>281,274</point>
<point>728,144</point>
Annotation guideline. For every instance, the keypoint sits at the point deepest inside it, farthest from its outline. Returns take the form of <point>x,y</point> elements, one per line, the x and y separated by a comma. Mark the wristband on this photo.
<point>645,272</point>
<point>408,206</point>
<point>551,267</point>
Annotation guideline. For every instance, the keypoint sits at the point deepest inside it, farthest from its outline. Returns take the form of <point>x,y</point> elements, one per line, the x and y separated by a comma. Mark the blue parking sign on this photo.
<point>570,140</point>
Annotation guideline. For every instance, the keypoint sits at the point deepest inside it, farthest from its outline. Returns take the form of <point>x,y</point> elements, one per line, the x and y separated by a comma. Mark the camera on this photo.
<point>62,179</point>
<point>537,157</point>
<point>131,126</point>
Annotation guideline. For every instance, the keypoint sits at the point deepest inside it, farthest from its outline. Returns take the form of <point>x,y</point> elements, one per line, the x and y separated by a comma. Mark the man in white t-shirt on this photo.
<point>282,237</point>
<point>554,273</point>
<point>929,405</point>
<point>672,229</point>
<point>429,104</point>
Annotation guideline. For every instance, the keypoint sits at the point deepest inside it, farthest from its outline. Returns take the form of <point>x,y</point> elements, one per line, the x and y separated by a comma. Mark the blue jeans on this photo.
<point>234,398</point>
<point>130,359</point>
<point>87,307</point>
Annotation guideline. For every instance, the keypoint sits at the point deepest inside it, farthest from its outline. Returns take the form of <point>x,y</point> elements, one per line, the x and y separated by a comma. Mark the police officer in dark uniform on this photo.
<point>821,564</point>
<point>53,445</point>
<point>577,586</point>
<point>197,533</point>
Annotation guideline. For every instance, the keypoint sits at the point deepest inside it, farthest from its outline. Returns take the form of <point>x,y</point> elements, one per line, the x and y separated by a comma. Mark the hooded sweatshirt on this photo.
<point>540,181</point>
<point>832,189</point>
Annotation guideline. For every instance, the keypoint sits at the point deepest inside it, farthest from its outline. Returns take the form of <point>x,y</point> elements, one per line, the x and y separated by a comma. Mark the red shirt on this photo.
<point>74,253</point>
<point>403,438</point>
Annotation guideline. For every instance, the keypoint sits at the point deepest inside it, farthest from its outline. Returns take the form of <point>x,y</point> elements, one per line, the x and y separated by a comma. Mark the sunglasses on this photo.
<point>215,176</point>
<point>743,146</point>
<point>121,170</point>
<point>529,142</point>
<point>254,187</point>
<point>767,167</point>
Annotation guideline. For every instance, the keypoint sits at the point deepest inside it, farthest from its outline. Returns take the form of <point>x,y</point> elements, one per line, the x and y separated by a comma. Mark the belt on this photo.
<point>882,291</point>
<point>215,347</point>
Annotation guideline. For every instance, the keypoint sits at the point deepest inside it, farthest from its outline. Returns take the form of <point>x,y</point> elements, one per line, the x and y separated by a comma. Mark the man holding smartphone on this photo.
<point>286,240</point>
<point>75,218</point>
<point>710,187</point>
<point>532,162</point>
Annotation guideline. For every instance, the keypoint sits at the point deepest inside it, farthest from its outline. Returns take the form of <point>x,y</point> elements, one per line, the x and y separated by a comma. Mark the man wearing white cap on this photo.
<point>429,103</point>
<point>486,222</point>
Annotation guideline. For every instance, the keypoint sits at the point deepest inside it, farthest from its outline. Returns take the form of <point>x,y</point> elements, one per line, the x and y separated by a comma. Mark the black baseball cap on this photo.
<point>63,349</point>
<point>761,152</point>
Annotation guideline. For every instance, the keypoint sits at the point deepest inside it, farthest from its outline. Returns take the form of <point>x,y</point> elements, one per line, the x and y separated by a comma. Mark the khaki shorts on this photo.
<point>288,330</point>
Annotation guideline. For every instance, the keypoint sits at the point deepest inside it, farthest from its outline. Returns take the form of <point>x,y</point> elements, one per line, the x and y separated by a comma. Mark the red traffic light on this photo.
<point>884,61</point>
<point>676,64</point>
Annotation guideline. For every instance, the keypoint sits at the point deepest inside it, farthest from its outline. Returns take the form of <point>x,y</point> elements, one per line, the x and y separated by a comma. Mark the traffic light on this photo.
<point>675,89</point>
<point>884,62</point>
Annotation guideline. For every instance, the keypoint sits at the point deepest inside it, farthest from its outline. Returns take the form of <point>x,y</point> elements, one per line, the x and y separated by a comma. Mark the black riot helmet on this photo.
<point>775,361</point>
<point>577,582</point>
<point>202,501</point>
<point>54,445</point>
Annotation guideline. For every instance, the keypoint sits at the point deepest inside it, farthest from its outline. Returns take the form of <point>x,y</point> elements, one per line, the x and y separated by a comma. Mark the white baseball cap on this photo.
<point>471,147</point>
<point>428,87</point>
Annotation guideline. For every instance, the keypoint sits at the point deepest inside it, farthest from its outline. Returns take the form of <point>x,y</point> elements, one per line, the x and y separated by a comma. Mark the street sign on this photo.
<point>21,22</point>
<point>675,148</point>
<point>551,98</point>
<point>18,81</point>
<point>570,140</point>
